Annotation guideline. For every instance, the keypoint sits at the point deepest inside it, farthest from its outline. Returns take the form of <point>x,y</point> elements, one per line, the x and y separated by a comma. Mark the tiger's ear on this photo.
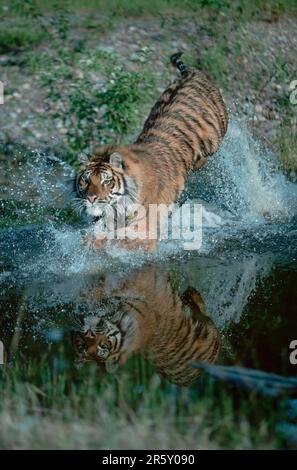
<point>116,160</point>
<point>112,363</point>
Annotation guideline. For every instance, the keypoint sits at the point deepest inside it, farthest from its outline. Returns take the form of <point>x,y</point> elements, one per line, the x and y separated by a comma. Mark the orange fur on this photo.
<point>185,126</point>
<point>147,315</point>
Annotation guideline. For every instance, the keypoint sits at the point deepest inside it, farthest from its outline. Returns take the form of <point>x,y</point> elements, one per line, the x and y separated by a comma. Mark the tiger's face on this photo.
<point>98,340</point>
<point>100,185</point>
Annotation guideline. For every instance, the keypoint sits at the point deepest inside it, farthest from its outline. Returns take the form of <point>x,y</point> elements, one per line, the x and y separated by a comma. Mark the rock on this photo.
<point>259,108</point>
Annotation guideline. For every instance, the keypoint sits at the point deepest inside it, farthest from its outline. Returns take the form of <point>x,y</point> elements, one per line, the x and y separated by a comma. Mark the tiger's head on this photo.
<point>98,340</point>
<point>103,182</point>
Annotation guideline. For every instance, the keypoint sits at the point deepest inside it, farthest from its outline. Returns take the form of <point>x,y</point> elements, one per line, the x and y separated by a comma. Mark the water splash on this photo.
<point>227,284</point>
<point>248,213</point>
<point>245,179</point>
<point>245,197</point>
<point>37,177</point>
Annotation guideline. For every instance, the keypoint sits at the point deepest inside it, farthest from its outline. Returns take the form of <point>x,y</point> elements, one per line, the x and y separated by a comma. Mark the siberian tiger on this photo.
<point>185,126</point>
<point>145,314</point>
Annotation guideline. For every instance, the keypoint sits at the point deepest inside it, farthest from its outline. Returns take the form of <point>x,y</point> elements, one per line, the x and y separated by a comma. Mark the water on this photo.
<point>245,271</point>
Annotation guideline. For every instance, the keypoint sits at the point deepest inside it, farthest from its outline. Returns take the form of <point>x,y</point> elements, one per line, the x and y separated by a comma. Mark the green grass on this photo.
<point>18,213</point>
<point>109,112</point>
<point>213,61</point>
<point>46,403</point>
<point>92,114</point>
<point>14,37</point>
<point>244,9</point>
<point>286,142</point>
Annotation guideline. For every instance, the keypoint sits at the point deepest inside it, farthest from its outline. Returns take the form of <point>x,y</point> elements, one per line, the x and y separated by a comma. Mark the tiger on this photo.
<point>185,126</point>
<point>144,314</point>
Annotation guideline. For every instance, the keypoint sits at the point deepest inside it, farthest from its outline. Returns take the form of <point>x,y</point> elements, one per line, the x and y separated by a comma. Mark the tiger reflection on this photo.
<point>145,314</point>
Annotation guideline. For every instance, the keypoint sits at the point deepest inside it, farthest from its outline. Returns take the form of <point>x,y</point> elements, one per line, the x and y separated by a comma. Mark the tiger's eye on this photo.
<point>85,178</point>
<point>83,182</point>
<point>103,350</point>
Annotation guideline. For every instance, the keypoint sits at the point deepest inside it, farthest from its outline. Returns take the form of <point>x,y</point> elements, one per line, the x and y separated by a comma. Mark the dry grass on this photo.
<point>42,407</point>
<point>286,142</point>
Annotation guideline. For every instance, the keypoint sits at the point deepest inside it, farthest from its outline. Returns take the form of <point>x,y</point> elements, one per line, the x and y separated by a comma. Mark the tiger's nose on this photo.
<point>90,334</point>
<point>92,198</point>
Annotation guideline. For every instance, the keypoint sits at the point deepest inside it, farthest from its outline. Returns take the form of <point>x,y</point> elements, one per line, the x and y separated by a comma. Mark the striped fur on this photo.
<point>189,119</point>
<point>185,126</point>
<point>144,314</point>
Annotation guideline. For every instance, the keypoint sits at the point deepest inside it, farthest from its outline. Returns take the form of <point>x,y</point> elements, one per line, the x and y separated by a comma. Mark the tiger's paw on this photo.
<point>137,244</point>
<point>93,243</point>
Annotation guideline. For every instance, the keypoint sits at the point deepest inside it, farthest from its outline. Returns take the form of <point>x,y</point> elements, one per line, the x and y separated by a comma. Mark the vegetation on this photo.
<point>18,213</point>
<point>45,403</point>
<point>286,141</point>
<point>91,93</point>
<point>94,95</point>
<point>16,37</point>
<point>87,113</point>
<point>122,8</point>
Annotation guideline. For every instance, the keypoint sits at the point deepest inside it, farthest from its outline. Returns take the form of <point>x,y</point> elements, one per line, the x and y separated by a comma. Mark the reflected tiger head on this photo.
<point>98,340</point>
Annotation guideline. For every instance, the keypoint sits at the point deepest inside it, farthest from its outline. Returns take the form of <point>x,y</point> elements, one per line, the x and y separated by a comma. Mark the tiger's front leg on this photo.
<point>98,238</point>
<point>92,242</point>
<point>133,238</point>
<point>136,244</point>
<point>137,236</point>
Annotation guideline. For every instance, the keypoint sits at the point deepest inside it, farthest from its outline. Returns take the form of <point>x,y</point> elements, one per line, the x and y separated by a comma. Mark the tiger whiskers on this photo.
<point>78,204</point>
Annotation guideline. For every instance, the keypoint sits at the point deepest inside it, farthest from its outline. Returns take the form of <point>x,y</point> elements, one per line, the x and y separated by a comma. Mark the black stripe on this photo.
<point>119,343</point>
<point>158,109</point>
<point>189,356</point>
<point>210,143</point>
<point>171,162</point>
<point>181,157</point>
<point>202,92</point>
<point>203,113</point>
<point>152,137</point>
<point>134,307</point>
<point>155,138</point>
<point>210,103</point>
<point>185,141</point>
<point>186,118</point>
<point>177,354</point>
<point>209,96</point>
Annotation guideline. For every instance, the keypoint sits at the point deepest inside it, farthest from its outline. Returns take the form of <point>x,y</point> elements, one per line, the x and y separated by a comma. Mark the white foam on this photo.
<point>245,179</point>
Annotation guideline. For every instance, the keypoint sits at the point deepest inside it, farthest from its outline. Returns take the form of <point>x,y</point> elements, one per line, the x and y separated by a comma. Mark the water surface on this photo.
<point>245,272</point>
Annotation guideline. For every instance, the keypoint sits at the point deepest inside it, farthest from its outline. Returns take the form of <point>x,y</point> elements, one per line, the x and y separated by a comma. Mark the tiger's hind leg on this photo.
<point>200,161</point>
<point>193,299</point>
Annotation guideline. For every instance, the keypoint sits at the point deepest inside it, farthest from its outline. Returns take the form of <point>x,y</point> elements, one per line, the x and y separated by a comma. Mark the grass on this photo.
<point>213,60</point>
<point>286,142</point>
<point>244,9</point>
<point>46,403</point>
<point>18,214</point>
<point>14,37</point>
<point>110,108</point>
<point>92,113</point>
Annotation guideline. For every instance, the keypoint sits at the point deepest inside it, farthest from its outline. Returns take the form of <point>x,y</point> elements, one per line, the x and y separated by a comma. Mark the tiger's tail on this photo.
<point>176,61</point>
